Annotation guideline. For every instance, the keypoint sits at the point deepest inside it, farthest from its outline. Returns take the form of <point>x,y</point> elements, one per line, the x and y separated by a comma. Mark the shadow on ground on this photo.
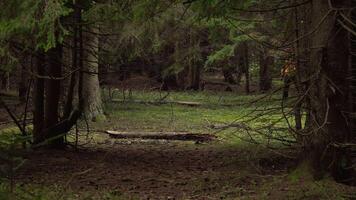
<point>155,170</point>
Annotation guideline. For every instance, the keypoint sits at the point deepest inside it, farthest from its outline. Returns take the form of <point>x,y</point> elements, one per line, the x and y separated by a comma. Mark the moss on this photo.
<point>15,130</point>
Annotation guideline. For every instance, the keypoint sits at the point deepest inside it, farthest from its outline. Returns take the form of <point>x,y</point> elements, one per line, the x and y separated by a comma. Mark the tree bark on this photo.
<point>38,99</point>
<point>53,91</point>
<point>91,88</point>
<point>352,73</point>
<point>194,76</point>
<point>298,106</point>
<point>73,80</point>
<point>328,95</point>
<point>266,63</point>
<point>242,60</point>
<point>246,67</point>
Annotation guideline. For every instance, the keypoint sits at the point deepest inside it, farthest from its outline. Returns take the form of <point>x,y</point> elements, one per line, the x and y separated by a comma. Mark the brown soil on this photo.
<point>151,170</point>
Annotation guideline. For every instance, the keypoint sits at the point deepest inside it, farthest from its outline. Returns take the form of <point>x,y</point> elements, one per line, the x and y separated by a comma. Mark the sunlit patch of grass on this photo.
<point>12,136</point>
<point>15,130</point>
<point>169,117</point>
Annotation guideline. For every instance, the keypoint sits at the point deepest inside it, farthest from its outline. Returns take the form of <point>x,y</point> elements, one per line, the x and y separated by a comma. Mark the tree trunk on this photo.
<point>266,63</point>
<point>228,75</point>
<point>169,82</point>
<point>298,76</point>
<point>239,74</point>
<point>38,99</point>
<point>329,94</point>
<point>246,64</point>
<point>194,77</point>
<point>352,73</point>
<point>91,88</point>
<point>53,91</point>
<point>73,80</point>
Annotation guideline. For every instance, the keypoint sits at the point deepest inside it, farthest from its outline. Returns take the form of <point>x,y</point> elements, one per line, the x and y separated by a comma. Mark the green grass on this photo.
<point>169,117</point>
<point>207,97</point>
<point>218,108</point>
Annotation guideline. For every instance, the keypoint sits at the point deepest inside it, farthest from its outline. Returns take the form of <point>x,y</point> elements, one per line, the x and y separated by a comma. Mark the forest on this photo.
<point>177,99</point>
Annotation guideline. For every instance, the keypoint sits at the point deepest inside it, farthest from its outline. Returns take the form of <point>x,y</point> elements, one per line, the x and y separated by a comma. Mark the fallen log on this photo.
<point>183,103</point>
<point>161,136</point>
<point>187,103</point>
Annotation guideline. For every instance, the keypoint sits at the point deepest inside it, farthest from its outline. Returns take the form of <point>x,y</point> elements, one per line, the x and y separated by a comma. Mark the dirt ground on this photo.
<point>153,170</point>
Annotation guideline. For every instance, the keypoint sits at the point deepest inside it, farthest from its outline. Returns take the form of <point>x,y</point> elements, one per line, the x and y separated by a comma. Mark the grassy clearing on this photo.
<point>252,173</point>
<point>131,115</point>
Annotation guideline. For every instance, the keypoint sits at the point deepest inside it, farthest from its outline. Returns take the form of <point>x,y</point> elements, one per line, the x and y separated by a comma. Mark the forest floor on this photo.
<point>155,170</point>
<point>150,169</point>
<point>226,168</point>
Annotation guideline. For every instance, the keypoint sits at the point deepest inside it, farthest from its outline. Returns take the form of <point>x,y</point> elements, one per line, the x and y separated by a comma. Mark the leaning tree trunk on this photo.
<point>328,94</point>
<point>92,104</point>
